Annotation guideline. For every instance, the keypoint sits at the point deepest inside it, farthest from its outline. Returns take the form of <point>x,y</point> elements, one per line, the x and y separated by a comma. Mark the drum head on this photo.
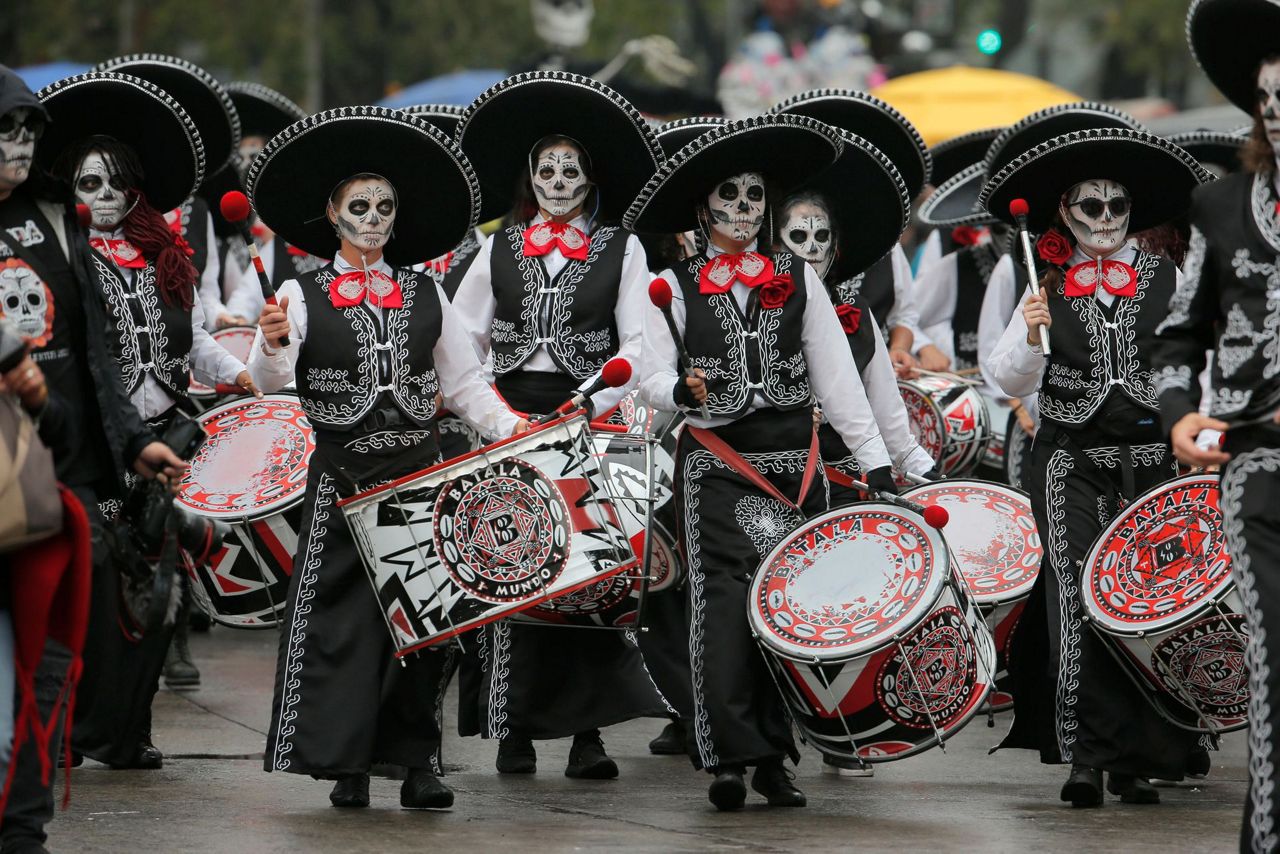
<point>236,340</point>
<point>992,536</point>
<point>1161,561</point>
<point>254,463</point>
<point>847,582</point>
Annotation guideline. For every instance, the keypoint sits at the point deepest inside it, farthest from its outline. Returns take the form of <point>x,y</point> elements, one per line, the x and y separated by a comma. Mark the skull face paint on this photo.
<point>559,180</point>
<point>365,213</point>
<point>1269,102</point>
<point>249,148</point>
<point>19,130</point>
<point>737,206</point>
<point>807,233</point>
<point>102,190</point>
<point>562,24</point>
<point>1097,212</point>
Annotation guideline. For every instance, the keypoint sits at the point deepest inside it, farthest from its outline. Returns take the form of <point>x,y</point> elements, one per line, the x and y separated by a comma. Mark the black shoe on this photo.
<point>24,846</point>
<point>670,742</point>
<point>728,791</point>
<point>587,759</point>
<point>1084,787</point>
<point>773,780</point>
<point>180,672</point>
<point>77,759</point>
<point>422,790</point>
<point>147,757</point>
<point>1199,764</point>
<point>351,792</point>
<point>200,621</point>
<point>516,756</point>
<point>1132,790</point>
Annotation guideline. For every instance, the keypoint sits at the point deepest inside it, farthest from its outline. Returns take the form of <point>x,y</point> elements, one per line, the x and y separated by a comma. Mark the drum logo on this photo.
<point>502,532</point>
<point>934,683</point>
<point>1207,661</point>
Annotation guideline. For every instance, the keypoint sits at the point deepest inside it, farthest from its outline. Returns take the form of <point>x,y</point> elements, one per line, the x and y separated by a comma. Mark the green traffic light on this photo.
<point>989,41</point>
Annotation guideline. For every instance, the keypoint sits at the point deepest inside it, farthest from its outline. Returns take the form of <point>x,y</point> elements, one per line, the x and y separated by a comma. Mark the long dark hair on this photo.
<point>1257,155</point>
<point>526,201</point>
<point>143,225</point>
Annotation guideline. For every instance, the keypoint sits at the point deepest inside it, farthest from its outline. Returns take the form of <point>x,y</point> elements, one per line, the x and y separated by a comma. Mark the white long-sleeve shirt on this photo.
<point>881,386</point>
<point>999,302</point>
<point>475,304</point>
<point>211,279</point>
<point>833,375</point>
<point>905,311</point>
<point>466,392</point>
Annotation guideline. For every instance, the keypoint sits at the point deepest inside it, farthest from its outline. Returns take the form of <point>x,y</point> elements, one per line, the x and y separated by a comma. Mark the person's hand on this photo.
<point>1025,421</point>
<point>881,480</point>
<point>274,323</point>
<point>933,359</point>
<point>226,319</point>
<point>246,382</point>
<point>158,462</point>
<point>26,381</point>
<point>522,426</point>
<point>903,363</point>
<point>1035,311</point>
<point>1183,438</point>
<point>697,385</point>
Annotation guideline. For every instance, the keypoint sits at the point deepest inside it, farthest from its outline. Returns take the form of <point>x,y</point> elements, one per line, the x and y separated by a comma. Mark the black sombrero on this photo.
<point>872,119</point>
<point>959,152</point>
<point>203,97</point>
<point>675,135</point>
<point>1229,38</point>
<point>135,112</point>
<point>955,202</point>
<point>291,180</point>
<point>1158,175</point>
<point>788,150</point>
<point>500,128</point>
<point>861,180</point>
<point>1213,147</point>
<point>262,110</point>
<point>444,116</point>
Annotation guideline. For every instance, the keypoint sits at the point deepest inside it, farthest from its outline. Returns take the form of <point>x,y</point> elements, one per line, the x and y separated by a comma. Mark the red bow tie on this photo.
<point>121,252</point>
<point>1118,279</point>
<point>542,238</point>
<point>354,288</point>
<point>719,274</point>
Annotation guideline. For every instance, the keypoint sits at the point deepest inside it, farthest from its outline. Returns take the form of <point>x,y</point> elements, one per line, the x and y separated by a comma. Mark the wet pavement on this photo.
<point>212,795</point>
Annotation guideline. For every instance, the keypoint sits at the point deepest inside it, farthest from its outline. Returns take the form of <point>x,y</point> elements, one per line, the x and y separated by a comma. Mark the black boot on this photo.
<point>1083,787</point>
<point>180,672</point>
<point>1199,764</point>
<point>351,792</point>
<point>587,759</point>
<point>773,780</point>
<point>728,791</point>
<point>1132,790</point>
<point>516,756</point>
<point>147,757</point>
<point>422,790</point>
<point>670,742</point>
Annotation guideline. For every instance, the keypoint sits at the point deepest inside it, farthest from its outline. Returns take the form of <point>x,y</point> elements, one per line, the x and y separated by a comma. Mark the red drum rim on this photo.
<point>839,552</point>
<point>1161,561</point>
<point>199,389</point>
<point>262,497</point>
<point>1006,577</point>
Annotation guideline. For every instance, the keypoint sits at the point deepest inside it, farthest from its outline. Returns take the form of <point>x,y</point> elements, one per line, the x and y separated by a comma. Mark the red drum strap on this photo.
<point>735,461</point>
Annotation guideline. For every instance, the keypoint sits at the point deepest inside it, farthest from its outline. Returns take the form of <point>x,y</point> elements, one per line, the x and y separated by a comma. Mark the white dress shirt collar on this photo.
<point>341,265</point>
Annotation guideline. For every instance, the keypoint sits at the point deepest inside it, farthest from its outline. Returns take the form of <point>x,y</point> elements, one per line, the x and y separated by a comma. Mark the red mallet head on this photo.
<point>1018,208</point>
<point>660,293</point>
<point>936,516</point>
<point>234,206</point>
<point>616,372</point>
<point>83,216</point>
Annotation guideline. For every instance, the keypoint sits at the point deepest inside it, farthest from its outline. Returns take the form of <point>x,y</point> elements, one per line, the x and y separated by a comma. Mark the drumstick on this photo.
<point>935,516</point>
<point>616,372</point>
<point>660,296</point>
<point>235,210</point>
<point>948,375</point>
<point>1019,209</point>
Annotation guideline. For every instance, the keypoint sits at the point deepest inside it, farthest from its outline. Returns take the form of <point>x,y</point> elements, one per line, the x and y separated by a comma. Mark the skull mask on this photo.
<point>737,207</point>
<point>1097,212</point>
<point>249,147</point>
<point>365,213</point>
<point>562,24</point>
<point>101,188</point>
<point>19,130</point>
<point>559,181</point>
<point>24,301</point>
<point>807,233</point>
<point>1269,102</point>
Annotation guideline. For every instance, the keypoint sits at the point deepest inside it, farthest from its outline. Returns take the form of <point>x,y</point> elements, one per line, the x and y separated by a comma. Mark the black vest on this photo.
<point>1099,351</point>
<point>449,269</point>
<point>572,315</point>
<point>349,365</point>
<point>863,342</point>
<point>875,286</point>
<point>974,265</point>
<point>148,335</point>
<point>759,354</point>
<point>193,217</point>
<point>286,265</point>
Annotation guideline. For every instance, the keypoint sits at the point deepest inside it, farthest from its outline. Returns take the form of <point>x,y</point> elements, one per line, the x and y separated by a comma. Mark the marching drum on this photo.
<point>489,534</point>
<point>250,473</point>
<point>949,419</point>
<point>994,543</point>
<point>876,646</point>
<point>1157,587</point>
<point>236,340</point>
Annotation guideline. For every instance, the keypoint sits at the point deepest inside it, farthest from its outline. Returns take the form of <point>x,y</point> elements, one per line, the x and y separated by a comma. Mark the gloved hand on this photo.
<point>881,480</point>
<point>932,474</point>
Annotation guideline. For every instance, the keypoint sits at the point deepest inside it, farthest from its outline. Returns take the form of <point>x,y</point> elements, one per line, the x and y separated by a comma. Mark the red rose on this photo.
<point>850,318</point>
<point>966,235</point>
<point>1053,247</point>
<point>777,291</point>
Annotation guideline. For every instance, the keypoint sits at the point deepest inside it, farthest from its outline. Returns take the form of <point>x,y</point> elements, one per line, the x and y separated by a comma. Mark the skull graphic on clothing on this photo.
<point>25,301</point>
<point>737,206</point>
<point>807,233</point>
<point>559,180</point>
<point>1097,212</point>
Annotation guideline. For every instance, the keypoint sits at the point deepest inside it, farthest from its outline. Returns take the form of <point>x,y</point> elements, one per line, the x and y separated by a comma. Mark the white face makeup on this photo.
<point>737,207</point>
<point>562,24</point>
<point>105,193</point>
<point>1097,213</point>
<point>1269,102</point>
<point>365,214</point>
<point>249,148</point>
<point>807,233</point>
<point>19,130</point>
<point>559,181</point>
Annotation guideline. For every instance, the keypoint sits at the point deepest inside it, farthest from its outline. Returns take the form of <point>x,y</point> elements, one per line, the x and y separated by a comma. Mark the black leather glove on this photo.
<point>684,395</point>
<point>932,474</point>
<point>881,480</point>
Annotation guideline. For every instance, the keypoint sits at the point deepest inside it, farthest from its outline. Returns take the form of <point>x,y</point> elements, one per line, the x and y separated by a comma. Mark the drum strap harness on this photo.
<point>1066,442</point>
<point>738,463</point>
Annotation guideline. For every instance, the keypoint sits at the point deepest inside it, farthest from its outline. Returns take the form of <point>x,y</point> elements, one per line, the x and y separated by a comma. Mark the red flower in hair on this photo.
<point>966,235</point>
<point>850,318</point>
<point>776,291</point>
<point>1054,247</point>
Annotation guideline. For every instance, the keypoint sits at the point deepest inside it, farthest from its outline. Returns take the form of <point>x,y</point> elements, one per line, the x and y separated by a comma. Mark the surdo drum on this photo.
<point>877,647</point>
<point>949,419</point>
<point>236,340</point>
<point>251,472</point>
<point>1157,586</point>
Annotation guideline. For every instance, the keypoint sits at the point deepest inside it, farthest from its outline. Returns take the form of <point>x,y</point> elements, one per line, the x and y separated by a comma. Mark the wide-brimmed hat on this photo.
<point>1229,38</point>
<point>958,152</point>
<point>500,128</point>
<point>1217,148</point>
<point>788,150</point>
<point>675,135</point>
<point>1158,175</point>
<point>872,119</point>
<point>135,112</point>
<point>444,116</point>
<point>291,180</point>
<point>955,202</point>
<point>262,110</point>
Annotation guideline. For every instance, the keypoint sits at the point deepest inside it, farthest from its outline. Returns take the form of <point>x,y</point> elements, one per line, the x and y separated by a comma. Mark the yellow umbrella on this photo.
<point>946,102</point>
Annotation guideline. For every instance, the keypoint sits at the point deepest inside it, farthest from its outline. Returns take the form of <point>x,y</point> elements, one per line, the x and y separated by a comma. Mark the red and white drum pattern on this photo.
<point>949,419</point>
